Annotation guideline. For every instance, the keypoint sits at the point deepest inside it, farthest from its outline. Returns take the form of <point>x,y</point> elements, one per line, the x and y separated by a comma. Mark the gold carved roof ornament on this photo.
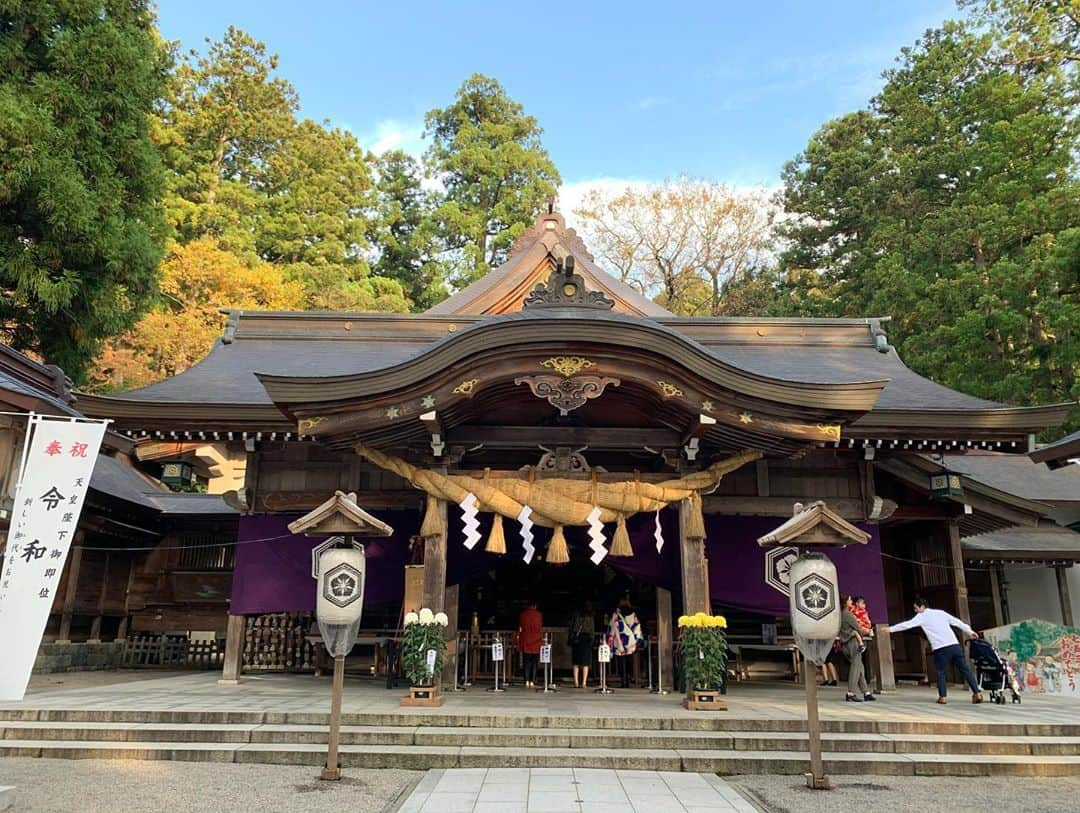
<point>466,387</point>
<point>669,390</point>
<point>305,425</point>
<point>567,366</point>
<point>830,430</point>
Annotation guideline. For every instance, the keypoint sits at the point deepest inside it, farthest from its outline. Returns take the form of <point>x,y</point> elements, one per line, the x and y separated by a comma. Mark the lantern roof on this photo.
<point>340,515</point>
<point>814,525</point>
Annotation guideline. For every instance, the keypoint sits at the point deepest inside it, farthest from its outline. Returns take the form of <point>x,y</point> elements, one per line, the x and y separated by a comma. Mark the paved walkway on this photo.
<point>776,700</point>
<point>571,790</point>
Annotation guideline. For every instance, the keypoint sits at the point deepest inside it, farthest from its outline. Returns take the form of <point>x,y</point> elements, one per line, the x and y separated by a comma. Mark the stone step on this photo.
<point>724,762</point>
<point>1000,727</point>
<point>451,736</point>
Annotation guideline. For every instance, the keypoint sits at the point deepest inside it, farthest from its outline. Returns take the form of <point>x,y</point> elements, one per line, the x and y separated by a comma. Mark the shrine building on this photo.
<point>549,385</point>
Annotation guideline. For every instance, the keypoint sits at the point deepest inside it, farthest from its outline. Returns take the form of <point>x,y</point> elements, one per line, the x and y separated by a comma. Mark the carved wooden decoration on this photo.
<point>565,289</point>
<point>566,394</point>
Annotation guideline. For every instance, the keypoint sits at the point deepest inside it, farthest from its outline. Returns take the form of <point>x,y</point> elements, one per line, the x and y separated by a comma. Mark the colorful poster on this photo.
<point>58,458</point>
<point>1045,657</point>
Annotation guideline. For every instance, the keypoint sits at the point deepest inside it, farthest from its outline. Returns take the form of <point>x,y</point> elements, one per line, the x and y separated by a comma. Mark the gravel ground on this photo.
<point>913,794</point>
<point>132,786</point>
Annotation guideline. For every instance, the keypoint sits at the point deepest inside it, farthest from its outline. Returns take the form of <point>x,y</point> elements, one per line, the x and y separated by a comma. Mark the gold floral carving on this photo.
<point>567,366</point>
<point>746,417</point>
<point>307,424</point>
<point>669,389</point>
<point>830,430</point>
<point>466,387</point>
<point>707,406</point>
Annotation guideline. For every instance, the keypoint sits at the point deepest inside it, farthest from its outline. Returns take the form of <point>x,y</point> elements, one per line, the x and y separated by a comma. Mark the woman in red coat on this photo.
<point>530,636</point>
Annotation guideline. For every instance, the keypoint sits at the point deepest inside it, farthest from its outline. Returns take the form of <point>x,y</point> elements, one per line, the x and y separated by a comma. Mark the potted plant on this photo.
<point>423,654</point>
<point>703,644</point>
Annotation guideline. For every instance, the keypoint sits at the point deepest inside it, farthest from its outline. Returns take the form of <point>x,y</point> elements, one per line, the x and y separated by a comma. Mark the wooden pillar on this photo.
<point>956,559</point>
<point>73,565</point>
<point>884,674</point>
<point>122,630</point>
<point>664,641</point>
<point>692,562</point>
<point>1062,572</point>
<point>451,634</point>
<point>435,566</point>
<point>95,626</point>
<point>234,651</point>
<point>995,595</point>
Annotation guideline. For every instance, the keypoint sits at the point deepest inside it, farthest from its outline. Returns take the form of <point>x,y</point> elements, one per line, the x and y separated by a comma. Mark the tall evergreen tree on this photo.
<point>404,232</point>
<point>80,180</point>
<point>487,154</point>
<point>953,205</point>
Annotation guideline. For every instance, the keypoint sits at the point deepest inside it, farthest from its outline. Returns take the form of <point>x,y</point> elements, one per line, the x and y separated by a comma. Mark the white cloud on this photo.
<point>649,102</point>
<point>390,134</point>
<point>571,195</point>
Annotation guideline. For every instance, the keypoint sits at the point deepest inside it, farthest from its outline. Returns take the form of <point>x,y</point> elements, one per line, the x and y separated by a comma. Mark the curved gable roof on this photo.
<point>531,260</point>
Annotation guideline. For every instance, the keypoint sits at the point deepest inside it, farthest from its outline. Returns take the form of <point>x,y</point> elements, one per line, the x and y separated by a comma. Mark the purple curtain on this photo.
<point>273,567</point>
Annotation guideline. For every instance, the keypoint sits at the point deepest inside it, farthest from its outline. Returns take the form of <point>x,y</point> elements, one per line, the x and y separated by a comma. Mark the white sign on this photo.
<point>497,651</point>
<point>59,456</point>
<point>604,654</point>
<point>545,653</point>
<point>431,655</point>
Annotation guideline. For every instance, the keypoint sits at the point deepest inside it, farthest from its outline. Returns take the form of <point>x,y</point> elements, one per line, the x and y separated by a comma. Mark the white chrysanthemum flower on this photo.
<point>411,618</point>
<point>426,616</point>
<point>441,619</point>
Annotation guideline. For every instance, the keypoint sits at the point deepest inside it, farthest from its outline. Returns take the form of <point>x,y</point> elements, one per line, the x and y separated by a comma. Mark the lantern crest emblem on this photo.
<point>814,596</point>
<point>341,586</point>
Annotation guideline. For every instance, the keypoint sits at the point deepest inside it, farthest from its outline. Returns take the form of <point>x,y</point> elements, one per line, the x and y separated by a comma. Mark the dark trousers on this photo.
<point>530,660</point>
<point>946,656</point>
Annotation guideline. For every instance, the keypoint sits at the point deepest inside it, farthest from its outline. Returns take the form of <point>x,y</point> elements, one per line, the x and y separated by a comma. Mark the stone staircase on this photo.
<point>720,744</point>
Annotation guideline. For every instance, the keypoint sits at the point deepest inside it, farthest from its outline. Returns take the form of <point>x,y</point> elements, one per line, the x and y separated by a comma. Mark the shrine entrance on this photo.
<point>490,603</point>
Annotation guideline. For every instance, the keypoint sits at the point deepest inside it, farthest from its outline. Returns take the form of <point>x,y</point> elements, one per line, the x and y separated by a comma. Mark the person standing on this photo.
<point>937,625</point>
<point>852,637</point>
<point>624,637</point>
<point>581,634</point>
<point>530,637</point>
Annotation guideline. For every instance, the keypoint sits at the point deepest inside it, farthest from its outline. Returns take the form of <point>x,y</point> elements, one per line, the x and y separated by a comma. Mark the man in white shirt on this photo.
<point>938,624</point>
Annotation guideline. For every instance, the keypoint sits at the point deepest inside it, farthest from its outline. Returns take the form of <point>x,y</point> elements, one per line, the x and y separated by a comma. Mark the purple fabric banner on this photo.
<point>274,575</point>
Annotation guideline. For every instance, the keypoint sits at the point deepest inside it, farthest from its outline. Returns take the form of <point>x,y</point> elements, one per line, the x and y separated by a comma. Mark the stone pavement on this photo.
<point>571,790</point>
<point>774,700</point>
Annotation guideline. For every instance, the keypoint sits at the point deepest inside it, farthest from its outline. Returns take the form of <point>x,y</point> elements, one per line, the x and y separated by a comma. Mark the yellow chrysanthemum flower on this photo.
<point>684,620</point>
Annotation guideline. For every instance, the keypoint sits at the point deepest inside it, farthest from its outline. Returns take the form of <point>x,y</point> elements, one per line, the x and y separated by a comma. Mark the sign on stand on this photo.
<point>545,653</point>
<point>603,655</point>
<point>58,459</point>
<point>497,651</point>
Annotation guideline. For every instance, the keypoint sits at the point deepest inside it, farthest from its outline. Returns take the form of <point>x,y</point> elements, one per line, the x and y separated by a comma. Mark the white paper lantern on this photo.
<point>814,598</point>
<point>340,596</point>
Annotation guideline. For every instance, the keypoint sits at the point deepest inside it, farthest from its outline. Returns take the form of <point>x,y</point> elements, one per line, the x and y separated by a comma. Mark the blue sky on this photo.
<point>723,90</point>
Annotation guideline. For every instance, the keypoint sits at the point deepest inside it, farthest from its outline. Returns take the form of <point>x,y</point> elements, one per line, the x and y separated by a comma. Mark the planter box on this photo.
<point>700,700</point>
<point>422,696</point>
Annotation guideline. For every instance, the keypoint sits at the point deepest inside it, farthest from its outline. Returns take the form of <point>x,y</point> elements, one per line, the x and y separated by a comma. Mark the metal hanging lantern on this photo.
<point>177,473</point>
<point>945,485</point>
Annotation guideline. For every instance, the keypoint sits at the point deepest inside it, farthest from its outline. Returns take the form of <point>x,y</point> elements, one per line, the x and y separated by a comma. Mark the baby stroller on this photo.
<point>993,672</point>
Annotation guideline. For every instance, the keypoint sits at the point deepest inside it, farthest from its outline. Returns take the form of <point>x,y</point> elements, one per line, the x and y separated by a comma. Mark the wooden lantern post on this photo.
<point>814,526</point>
<point>339,517</point>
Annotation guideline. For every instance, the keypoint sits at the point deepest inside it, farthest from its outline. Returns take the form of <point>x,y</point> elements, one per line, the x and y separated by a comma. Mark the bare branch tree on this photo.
<point>679,241</point>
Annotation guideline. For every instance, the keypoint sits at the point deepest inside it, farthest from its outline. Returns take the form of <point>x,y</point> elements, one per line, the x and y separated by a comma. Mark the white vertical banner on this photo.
<point>58,459</point>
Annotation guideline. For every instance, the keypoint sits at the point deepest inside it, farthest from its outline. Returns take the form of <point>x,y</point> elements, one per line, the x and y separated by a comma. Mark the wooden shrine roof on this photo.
<point>265,361</point>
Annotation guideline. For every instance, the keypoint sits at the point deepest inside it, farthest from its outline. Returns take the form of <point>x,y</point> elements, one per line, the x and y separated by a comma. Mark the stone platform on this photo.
<point>283,719</point>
